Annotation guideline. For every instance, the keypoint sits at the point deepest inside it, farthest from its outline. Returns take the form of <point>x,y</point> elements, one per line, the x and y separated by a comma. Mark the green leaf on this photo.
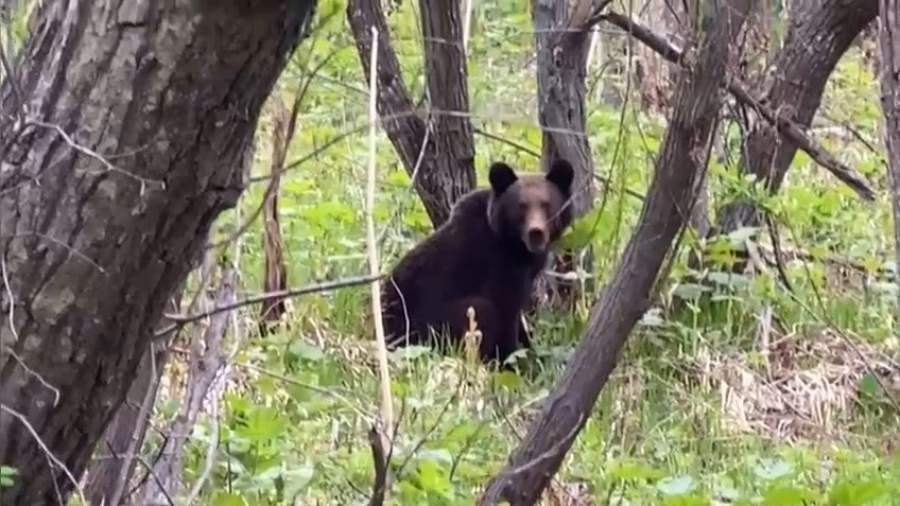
<point>581,232</point>
<point>632,469</point>
<point>868,385</point>
<point>783,495</point>
<point>770,469</point>
<point>226,499</point>
<point>296,480</point>
<point>7,476</point>
<point>433,477</point>
<point>262,424</point>
<point>306,351</point>
<point>690,291</point>
<point>507,379</point>
<point>678,485</point>
<point>847,493</point>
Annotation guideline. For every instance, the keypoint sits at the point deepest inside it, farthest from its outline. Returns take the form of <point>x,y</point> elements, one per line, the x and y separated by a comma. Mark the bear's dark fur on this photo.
<point>486,256</point>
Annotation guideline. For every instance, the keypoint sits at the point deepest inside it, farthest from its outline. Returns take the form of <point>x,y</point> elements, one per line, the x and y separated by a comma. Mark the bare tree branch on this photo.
<point>787,127</point>
<point>256,299</point>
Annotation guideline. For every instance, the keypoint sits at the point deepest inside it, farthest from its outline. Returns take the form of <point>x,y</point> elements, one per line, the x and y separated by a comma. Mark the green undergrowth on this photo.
<point>733,389</point>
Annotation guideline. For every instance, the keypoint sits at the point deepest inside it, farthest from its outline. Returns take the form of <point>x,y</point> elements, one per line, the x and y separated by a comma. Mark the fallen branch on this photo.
<point>785,126</point>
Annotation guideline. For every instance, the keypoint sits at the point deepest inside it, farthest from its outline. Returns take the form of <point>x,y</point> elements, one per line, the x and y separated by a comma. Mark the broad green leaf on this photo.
<point>226,499</point>
<point>262,424</point>
<point>677,485</point>
<point>770,469</point>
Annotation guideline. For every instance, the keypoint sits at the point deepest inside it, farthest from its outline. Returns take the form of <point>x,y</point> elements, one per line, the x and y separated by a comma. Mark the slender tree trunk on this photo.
<point>168,95</point>
<point>667,208</point>
<point>819,33</point>
<point>207,360</point>
<point>438,153</point>
<point>889,41</point>
<point>271,311</point>
<point>563,43</point>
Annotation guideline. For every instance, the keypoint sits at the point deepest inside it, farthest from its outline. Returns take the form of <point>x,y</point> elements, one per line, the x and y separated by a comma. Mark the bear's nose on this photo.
<point>536,237</point>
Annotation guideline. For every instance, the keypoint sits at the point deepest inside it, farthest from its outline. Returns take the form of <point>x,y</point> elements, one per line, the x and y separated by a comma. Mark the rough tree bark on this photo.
<point>443,170</point>
<point>92,250</point>
<point>124,436</point>
<point>819,33</point>
<point>889,42</point>
<point>679,171</point>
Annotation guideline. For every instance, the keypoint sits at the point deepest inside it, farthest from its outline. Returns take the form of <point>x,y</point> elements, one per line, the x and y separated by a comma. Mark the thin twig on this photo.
<point>58,463</point>
<point>144,182</point>
<point>180,320</point>
<point>152,473</point>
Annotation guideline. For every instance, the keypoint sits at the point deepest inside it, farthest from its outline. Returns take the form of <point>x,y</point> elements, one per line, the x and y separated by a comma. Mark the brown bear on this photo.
<point>486,256</point>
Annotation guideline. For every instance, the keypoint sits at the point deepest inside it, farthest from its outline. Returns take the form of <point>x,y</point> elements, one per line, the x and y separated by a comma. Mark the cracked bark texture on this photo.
<point>889,42</point>
<point>444,171</point>
<point>170,93</point>
<point>679,169</point>
<point>818,35</point>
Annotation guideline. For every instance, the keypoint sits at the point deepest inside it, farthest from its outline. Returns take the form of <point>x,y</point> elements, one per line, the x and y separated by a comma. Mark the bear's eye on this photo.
<point>545,206</point>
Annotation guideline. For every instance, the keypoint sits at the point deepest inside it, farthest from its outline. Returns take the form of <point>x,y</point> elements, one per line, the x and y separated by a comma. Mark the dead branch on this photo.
<point>387,409</point>
<point>785,126</point>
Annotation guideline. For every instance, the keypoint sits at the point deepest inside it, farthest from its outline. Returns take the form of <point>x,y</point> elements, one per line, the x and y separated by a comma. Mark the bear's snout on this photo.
<point>536,239</point>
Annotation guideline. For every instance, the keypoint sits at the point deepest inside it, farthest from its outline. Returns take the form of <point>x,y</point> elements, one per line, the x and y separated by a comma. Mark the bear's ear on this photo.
<point>561,174</point>
<point>501,176</point>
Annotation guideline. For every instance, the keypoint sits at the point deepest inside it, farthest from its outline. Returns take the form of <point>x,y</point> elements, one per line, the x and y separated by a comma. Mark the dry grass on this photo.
<point>806,388</point>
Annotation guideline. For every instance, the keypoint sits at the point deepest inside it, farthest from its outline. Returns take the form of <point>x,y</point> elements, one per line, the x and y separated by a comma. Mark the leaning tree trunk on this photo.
<point>819,34</point>
<point>679,171</point>
<point>439,153</point>
<point>120,140</point>
<point>889,41</point>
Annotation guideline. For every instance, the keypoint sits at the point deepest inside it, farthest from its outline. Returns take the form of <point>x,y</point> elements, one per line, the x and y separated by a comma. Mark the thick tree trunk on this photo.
<point>667,208</point>
<point>889,41</point>
<point>91,249</point>
<point>124,436</point>
<point>819,34</point>
<point>443,169</point>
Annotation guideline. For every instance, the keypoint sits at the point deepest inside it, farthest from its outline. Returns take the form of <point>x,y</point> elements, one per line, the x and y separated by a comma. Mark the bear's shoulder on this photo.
<point>471,208</point>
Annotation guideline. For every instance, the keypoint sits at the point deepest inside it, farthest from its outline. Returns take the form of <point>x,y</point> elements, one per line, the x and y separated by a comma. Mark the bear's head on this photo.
<point>532,209</point>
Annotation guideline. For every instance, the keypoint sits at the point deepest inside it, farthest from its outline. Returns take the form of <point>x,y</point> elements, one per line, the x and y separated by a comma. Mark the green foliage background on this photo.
<point>295,415</point>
